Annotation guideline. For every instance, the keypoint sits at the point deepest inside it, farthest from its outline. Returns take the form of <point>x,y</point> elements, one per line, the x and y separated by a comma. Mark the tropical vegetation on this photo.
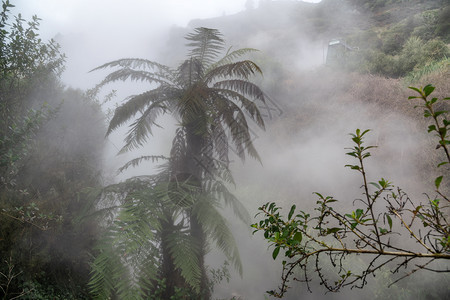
<point>175,214</point>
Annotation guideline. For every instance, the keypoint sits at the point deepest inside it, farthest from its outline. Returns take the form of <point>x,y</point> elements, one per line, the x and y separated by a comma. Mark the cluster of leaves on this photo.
<point>441,124</point>
<point>307,239</point>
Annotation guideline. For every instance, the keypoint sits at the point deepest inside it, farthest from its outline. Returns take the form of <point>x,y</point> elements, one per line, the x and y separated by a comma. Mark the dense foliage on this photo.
<point>47,157</point>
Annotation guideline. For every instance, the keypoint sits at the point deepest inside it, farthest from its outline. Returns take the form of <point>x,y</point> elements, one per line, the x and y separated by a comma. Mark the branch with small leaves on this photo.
<point>440,124</point>
<point>307,239</point>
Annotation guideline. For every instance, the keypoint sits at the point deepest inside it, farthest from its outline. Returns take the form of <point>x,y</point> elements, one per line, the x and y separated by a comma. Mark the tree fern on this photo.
<point>173,212</point>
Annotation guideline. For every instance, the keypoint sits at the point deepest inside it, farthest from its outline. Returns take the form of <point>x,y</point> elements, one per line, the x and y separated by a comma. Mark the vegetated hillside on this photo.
<point>395,44</point>
<point>388,38</point>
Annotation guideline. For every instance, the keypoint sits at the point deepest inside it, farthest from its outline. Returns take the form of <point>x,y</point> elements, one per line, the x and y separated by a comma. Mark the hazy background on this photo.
<point>92,32</point>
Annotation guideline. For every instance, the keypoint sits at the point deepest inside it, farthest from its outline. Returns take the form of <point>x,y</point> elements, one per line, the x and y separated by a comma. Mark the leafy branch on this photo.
<point>307,239</point>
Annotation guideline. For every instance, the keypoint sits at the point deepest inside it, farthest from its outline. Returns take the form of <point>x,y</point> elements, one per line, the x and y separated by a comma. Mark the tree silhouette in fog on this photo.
<point>210,97</point>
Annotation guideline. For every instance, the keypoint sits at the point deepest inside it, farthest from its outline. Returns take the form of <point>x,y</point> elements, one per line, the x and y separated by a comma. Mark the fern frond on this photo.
<point>240,135</point>
<point>128,248</point>
<point>207,43</point>
<point>219,140</point>
<point>216,227</point>
<point>241,69</point>
<point>142,127</point>
<point>135,104</point>
<point>230,56</point>
<point>189,73</point>
<point>135,63</point>
<point>135,162</point>
<point>101,283</point>
<point>242,86</point>
<point>135,75</point>
<point>184,251</point>
<point>178,151</point>
<point>236,122</point>
<point>247,105</point>
<point>219,191</point>
<point>193,108</point>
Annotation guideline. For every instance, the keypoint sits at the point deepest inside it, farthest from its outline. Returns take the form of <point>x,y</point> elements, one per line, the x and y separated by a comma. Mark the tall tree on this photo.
<point>211,98</point>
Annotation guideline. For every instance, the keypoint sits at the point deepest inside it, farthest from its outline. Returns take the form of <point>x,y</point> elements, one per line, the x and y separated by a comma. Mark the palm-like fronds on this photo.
<point>190,92</point>
<point>136,161</point>
<point>136,63</point>
<point>148,101</point>
<point>142,127</point>
<point>216,227</point>
<point>212,98</point>
<point>206,45</point>
<point>185,251</point>
<point>230,56</point>
<point>241,69</point>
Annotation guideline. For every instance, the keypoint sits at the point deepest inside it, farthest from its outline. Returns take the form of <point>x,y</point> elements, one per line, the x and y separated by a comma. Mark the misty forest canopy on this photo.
<point>66,234</point>
<point>167,220</point>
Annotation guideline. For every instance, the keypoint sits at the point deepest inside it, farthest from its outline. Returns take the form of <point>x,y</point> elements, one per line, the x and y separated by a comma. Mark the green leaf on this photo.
<point>364,132</point>
<point>375,185</point>
<point>428,89</point>
<point>437,181</point>
<point>353,167</point>
<point>291,212</point>
<point>275,252</point>
<point>431,128</point>
<point>359,212</point>
<point>440,112</point>
<point>389,221</point>
<point>415,89</point>
<point>277,235</point>
<point>298,237</point>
